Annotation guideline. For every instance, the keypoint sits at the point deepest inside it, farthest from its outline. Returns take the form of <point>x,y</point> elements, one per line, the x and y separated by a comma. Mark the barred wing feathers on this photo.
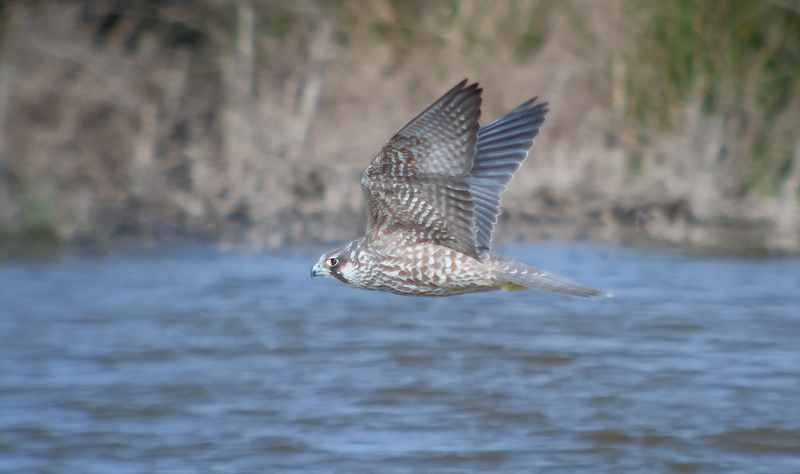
<point>501,147</point>
<point>419,180</point>
<point>441,176</point>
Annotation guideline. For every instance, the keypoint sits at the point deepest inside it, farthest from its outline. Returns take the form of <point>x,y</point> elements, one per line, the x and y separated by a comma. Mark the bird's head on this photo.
<point>335,265</point>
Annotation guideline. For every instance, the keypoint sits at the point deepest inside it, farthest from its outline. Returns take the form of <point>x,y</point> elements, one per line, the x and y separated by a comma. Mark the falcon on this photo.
<point>433,197</point>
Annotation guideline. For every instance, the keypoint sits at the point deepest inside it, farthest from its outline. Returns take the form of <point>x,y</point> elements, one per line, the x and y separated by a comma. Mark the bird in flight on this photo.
<point>433,197</point>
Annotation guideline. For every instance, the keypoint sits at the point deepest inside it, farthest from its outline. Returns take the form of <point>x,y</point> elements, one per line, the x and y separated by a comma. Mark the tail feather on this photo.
<point>517,276</point>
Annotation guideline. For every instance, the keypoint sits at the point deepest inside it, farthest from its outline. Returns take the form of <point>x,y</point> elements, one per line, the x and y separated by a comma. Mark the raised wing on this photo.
<point>420,179</point>
<point>501,147</point>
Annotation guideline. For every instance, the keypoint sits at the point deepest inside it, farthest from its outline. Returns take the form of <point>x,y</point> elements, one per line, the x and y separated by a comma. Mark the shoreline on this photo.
<point>689,239</point>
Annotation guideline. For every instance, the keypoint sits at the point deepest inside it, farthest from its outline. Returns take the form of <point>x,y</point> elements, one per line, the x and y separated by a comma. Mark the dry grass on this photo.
<point>254,120</point>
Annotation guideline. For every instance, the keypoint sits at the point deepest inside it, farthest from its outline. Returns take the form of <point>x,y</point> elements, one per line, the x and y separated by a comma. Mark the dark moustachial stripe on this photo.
<point>338,275</point>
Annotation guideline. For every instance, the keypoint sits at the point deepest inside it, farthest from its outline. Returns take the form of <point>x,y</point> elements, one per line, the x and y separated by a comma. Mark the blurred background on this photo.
<point>250,122</point>
<point>207,151</point>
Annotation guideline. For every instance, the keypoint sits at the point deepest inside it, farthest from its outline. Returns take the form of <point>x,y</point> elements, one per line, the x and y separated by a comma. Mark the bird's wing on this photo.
<point>419,180</point>
<point>501,147</point>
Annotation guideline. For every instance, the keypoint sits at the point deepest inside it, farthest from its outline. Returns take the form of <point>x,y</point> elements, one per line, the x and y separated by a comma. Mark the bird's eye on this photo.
<point>332,262</point>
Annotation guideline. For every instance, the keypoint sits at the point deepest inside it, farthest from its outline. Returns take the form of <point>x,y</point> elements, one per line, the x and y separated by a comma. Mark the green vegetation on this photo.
<point>741,58</point>
<point>192,110</point>
<point>535,34</point>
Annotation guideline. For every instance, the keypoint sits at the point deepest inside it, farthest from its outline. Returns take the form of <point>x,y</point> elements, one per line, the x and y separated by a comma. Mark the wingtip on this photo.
<point>464,85</point>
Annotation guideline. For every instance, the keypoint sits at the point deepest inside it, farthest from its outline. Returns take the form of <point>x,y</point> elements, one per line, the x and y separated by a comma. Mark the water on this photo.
<point>200,361</point>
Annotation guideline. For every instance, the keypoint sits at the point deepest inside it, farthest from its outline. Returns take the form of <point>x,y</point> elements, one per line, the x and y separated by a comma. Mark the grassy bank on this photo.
<point>250,122</point>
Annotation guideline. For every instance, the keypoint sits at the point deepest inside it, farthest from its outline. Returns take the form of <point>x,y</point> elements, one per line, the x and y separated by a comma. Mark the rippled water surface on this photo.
<point>195,361</point>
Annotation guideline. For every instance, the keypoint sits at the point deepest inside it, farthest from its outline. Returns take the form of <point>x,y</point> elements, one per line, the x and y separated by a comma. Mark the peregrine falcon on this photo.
<point>433,197</point>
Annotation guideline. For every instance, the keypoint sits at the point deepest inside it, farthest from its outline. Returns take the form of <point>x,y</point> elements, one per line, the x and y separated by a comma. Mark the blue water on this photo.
<point>193,360</point>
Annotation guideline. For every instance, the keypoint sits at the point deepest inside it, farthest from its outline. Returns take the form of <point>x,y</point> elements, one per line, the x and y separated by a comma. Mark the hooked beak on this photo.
<point>317,270</point>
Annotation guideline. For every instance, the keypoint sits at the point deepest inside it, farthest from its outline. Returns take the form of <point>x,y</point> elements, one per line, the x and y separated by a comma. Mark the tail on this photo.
<point>514,275</point>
